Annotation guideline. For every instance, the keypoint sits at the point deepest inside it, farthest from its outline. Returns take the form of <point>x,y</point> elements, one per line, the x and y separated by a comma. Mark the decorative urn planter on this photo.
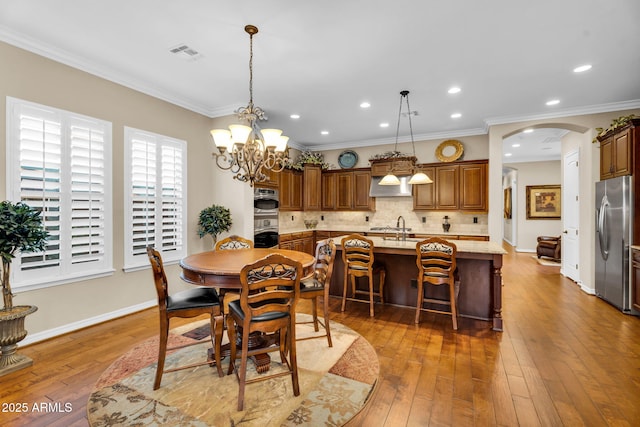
<point>12,331</point>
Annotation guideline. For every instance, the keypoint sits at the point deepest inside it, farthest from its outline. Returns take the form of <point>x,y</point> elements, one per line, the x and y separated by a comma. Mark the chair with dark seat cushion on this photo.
<point>358,258</point>
<point>268,298</point>
<point>436,260</point>
<point>232,243</point>
<point>318,286</point>
<point>185,304</point>
<point>549,246</point>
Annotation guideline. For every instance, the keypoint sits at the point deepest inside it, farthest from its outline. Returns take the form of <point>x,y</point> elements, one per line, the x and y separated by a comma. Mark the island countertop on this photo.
<point>479,265</point>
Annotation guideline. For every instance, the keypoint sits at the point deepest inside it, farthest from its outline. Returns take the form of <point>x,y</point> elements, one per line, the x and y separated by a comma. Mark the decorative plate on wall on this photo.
<point>449,150</point>
<point>347,159</point>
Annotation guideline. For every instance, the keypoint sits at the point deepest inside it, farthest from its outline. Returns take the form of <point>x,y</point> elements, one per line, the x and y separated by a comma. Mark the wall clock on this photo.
<point>347,159</point>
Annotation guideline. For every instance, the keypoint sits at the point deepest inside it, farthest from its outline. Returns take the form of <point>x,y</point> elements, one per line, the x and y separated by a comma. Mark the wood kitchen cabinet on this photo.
<point>302,241</point>
<point>617,150</point>
<point>347,190</point>
<point>402,166</point>
<point>312,193</point>
<point>457,186</point>
<point>635,279</point>
<point>290,190</point>
<point>273,179</point>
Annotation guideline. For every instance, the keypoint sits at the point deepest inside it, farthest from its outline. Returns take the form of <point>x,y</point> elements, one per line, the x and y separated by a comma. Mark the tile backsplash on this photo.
<point>388,209</point>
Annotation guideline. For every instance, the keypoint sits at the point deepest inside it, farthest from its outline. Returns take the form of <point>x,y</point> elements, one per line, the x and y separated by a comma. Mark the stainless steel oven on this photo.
<point>265,217</point>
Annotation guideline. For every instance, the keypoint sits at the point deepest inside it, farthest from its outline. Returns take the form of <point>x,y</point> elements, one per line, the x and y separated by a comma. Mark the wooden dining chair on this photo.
<point>270,292</point>
<point>358,259</point>
<point>318,286</point>
<point>436,260</point>
<point>232,243</point>
<point>185,304</point>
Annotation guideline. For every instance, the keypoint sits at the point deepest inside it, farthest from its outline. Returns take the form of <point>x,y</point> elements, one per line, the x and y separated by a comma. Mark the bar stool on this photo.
<point>357,255</point>
<point>436,260</point>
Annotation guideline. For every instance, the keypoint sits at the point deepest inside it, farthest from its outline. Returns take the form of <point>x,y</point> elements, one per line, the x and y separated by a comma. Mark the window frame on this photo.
<point>68,269</point>
<point>137,261</point>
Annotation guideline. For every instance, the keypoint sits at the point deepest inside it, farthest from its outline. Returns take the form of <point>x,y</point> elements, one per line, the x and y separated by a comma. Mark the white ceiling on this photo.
<point>322,59</point>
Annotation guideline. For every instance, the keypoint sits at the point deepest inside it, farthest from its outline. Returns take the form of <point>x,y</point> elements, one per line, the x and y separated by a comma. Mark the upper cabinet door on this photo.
<point>424,195</point>
<point>473,187</point>
<point>344,199</point>
<point>361,199</point>
<point>312,188</point>
<point>447,187</point>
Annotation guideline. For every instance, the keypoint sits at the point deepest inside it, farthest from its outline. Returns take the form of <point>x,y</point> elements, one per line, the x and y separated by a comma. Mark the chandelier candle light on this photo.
<point>417,177</point>
<point>248,150</point>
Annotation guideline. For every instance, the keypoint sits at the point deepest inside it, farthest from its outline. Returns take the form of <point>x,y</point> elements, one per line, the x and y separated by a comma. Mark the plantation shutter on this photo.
<point>156,191</point>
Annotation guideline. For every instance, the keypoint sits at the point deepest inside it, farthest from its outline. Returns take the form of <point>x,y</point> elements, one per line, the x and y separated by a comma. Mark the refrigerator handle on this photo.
<point>602,228</point>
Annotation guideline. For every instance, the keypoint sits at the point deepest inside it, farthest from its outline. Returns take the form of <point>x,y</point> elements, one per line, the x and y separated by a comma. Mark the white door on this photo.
<point>571,217</point>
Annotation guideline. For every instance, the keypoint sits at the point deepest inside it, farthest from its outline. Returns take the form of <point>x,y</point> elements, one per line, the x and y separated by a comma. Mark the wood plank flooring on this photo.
<point>565,358</point>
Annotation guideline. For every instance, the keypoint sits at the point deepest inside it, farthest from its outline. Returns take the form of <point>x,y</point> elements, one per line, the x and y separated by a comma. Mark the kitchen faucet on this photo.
<point>404,229</point>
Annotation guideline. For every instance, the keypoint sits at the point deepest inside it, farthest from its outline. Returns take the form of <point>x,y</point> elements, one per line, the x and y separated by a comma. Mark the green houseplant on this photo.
<point>21,230</point>
<point>214,220</point>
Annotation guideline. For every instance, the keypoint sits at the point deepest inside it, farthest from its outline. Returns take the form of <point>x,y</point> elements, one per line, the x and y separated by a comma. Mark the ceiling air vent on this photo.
<point>185,52</point>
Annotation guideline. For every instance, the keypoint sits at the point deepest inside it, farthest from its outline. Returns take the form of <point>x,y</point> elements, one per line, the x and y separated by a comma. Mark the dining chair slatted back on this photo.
<point>359,261</point>
<point>268,298</point>
<point>233,243</point>
<point>436,260</point>
<point>318,286</point>
<point>185,304</point>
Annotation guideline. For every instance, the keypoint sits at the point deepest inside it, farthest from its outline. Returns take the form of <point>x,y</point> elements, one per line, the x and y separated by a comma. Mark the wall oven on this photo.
<point>265,217</point>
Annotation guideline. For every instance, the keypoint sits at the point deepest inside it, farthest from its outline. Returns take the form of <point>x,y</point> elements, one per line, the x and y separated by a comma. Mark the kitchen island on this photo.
<point>479,266</point>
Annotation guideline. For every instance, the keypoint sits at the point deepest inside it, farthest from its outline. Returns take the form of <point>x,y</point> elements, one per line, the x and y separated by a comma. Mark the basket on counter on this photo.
<point>310,223</point>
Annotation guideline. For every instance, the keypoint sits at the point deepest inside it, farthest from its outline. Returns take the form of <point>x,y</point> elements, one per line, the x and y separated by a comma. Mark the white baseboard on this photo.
<point>70,327</point>
<point>533,251</point>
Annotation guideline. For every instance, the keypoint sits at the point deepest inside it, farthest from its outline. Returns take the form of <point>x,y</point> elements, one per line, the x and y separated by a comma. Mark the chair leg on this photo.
<point>370,278</point>
<point>314,307</point>
<point>242,377</point>
<point>231,333</point>
<point>419,301</point>
<point>454,309</point>
<point>325,304</point>
<point>344,289</point>
<point>293,358</point>
<point>162,350</point>
<point>216,330</point>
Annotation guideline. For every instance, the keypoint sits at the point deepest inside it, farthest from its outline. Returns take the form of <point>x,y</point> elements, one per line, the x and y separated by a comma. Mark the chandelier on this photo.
<point>417,177</point>
<point>248,150</point>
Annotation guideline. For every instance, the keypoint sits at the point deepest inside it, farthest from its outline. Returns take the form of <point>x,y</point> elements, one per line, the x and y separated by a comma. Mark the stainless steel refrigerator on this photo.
<point>613,236</point>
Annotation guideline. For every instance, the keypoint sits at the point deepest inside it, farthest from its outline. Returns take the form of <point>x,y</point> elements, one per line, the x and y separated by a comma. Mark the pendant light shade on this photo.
<point>417,177</point>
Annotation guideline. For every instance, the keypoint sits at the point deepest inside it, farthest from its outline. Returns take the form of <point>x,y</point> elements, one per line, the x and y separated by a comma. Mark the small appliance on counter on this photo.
<point>265,217</point>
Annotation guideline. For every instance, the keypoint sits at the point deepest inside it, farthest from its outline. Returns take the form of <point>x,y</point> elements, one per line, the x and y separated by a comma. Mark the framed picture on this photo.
<point>507,203</point>
<point>543,202</point>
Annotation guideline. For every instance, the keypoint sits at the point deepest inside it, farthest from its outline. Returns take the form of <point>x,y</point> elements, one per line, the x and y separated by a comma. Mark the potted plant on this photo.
<point>214,220</point>
<point>21,230</point>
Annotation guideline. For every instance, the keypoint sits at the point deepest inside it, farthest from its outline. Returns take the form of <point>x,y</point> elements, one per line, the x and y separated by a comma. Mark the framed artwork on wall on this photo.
<point>507,203</point>
<point>543,202</point>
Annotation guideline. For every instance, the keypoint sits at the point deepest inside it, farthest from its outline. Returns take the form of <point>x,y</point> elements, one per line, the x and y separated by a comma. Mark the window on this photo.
<point>60,163</point>
<point>155,193</point>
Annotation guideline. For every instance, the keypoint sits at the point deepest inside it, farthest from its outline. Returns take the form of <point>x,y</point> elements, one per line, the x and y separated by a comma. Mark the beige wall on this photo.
<point>34,78</point>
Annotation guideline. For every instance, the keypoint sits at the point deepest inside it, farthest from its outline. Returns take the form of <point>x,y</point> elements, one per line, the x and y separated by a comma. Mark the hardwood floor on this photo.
<point>565,358</point>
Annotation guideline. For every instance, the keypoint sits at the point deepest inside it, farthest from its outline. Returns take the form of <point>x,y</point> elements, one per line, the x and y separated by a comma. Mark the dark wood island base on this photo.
<point>479,266</point>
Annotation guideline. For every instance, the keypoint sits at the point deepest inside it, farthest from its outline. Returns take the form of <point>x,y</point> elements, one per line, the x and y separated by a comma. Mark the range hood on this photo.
<point>402,190</point>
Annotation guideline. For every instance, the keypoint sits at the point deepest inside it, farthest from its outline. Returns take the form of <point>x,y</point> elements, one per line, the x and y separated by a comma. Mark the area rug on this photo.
<point>546,261</point>
<point>335,384</point>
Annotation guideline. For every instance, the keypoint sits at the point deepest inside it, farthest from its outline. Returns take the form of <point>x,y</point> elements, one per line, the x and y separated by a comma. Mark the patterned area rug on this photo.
<point>335,384</point>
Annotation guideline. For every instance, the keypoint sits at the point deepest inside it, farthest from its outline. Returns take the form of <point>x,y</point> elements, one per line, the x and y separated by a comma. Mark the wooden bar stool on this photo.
<point>436,260</point>
<point>357,255</point>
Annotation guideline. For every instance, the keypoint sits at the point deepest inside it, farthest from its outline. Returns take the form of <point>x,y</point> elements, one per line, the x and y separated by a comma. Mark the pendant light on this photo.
<point>417,177</point>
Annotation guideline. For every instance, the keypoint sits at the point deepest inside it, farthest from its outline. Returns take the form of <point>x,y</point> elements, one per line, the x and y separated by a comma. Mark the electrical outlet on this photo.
<point>366,218</point>
<point>292,218</point>
<point>475,219</point>
<point>424,219</point>
<point>321,217</point>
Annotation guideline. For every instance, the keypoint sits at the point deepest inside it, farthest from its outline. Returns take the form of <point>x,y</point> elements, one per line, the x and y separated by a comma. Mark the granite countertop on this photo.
<point>470,246</point>
<point>368,230</point>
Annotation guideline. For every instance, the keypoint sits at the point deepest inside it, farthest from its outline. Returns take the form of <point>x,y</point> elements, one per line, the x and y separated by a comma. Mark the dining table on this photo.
<point>221,269</point>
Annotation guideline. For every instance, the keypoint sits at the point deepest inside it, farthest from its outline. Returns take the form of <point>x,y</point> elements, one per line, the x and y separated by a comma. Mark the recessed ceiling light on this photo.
<point>325,132</point>
<point>515,145</point>
<point>507,154</point>
<point>582,68</point>
<point>454,89</point>
<point>365,105</point>
<point>384,125</point>
<point>295,116</point>
<point>553,102</point>
<point>456,115</point>
<point>527,131</point>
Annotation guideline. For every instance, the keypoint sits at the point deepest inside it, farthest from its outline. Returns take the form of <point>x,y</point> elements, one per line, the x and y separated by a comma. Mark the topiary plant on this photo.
<point>214,220</point>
